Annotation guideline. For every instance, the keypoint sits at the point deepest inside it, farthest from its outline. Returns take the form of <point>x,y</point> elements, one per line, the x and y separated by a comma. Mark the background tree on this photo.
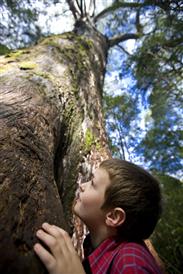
<point>162,75</point>
<point>120,115</point>
<point>155,70</point>
<point>51,118</point>
<point>168,234</point>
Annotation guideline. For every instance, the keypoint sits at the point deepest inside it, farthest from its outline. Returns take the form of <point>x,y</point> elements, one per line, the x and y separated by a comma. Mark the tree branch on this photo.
<point>73,9</point>
<point>80,6</point>
<point>171,43</point>
<point>138,25</point>
<point>92,3</point>
<point>116,6</point>
<point>123,37</point>
<point>84,8</point>
<point>124,50</point>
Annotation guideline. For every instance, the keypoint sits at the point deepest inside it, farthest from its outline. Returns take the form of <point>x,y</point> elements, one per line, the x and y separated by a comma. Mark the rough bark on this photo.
<point>51,131</point>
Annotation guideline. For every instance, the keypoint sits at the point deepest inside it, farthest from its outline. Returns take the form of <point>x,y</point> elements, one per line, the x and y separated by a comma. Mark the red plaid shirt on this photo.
<point>119,258</point>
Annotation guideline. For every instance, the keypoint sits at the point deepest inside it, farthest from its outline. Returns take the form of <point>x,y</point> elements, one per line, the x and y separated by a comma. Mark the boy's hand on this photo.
<point>62,258</point>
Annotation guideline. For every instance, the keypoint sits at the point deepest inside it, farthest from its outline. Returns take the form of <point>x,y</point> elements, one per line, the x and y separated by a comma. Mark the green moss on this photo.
<point>43,74</point>
<point>4,49</point>
<point>50,42</point>
<point>74,52</point>
<point>27,65</point>
<point>4,68</point>
<point>14,54</point>
<point>89,139</point>
<point>76,56</point>
<point>98,146</point>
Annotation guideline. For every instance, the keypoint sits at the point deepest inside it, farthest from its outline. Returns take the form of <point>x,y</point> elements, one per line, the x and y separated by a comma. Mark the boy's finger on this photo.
<point>47,259</point>
<point>63,238</point>
<point>67,239</point>
<point>52,230</point>
<point>47,239</point>
<point>60,234</point>
<point>54,238</point>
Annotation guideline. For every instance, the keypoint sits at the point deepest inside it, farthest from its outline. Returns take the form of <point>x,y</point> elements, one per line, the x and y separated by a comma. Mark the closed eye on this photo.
<point>92,180</point>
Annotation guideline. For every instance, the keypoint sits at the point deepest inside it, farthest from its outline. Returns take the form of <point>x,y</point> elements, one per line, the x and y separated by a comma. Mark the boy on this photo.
<point>120,206</point>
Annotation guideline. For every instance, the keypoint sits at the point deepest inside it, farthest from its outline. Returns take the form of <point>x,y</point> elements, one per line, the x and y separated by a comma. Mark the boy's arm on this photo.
<point>62,257</point>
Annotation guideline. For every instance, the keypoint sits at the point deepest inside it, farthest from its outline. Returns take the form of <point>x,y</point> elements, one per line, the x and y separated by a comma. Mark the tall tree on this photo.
<point>52,131</point>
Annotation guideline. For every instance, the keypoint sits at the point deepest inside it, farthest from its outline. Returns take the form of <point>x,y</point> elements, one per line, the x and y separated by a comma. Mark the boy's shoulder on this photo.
<point>116,257</point>
<point>134,256</point>
<point>133,250</point>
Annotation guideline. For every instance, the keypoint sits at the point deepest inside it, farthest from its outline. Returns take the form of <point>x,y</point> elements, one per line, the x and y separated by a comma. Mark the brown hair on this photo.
<point>138,193</point>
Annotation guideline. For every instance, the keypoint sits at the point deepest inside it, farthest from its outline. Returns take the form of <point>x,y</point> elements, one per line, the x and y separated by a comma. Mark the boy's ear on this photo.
<point>115,217</point>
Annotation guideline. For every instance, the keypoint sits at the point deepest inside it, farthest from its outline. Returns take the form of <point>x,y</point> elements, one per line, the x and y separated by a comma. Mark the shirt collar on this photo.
<point>108,244</point>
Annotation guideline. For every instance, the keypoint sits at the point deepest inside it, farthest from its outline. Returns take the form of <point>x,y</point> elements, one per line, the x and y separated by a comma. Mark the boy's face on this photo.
<point>91,198</point>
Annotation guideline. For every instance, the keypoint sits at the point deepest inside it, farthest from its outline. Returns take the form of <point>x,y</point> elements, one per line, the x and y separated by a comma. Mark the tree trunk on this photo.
<point>51,135</point>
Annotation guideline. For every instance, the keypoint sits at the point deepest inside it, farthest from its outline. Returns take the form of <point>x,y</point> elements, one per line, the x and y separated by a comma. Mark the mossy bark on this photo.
<point>51,135</point>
